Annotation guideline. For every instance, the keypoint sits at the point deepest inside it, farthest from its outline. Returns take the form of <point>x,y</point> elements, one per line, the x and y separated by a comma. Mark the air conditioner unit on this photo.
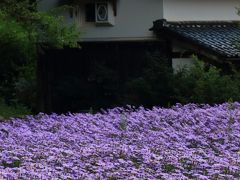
<point>104,13</point>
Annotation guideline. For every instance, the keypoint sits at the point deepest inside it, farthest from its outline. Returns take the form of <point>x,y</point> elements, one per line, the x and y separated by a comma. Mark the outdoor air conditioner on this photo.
<point>104,13</point>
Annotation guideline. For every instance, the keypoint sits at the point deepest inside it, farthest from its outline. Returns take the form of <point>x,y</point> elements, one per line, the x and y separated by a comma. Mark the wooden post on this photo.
<point>40,82</point>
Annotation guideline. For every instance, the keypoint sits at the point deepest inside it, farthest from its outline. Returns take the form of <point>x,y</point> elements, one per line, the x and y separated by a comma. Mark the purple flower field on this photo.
<point>182,142</point>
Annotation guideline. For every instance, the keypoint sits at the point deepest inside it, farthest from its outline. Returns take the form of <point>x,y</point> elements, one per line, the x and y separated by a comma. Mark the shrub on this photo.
<point>101,83</point>
<point>205,84</point>
<point>7,111</point>
<point>24,32</point>
<point>153,86</point>
<point>199,83</point>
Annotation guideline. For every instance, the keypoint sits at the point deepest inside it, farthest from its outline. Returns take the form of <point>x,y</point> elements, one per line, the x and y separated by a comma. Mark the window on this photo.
<point>90,12</point>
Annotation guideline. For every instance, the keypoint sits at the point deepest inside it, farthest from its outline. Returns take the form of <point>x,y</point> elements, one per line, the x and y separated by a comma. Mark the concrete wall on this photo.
<point>133,20</point>
<point>191,10</point>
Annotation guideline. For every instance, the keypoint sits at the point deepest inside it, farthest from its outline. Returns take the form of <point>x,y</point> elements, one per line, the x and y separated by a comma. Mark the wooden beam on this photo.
<point>192,46</point>
<point>114,4</point>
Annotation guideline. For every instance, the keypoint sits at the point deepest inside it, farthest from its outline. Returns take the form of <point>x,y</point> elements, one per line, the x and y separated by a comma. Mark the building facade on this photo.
<point>120,33</point>
<point>131,19</point>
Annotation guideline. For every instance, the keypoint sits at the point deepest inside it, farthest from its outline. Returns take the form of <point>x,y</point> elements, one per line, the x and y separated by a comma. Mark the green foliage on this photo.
<point>24,33</point>
<point>14,52</point>
<point>111,82</point>
<point>14,164</point>
<point>205,84</point>
<point>153,86</point>
<point>168,168</point>
<point>7,111</point>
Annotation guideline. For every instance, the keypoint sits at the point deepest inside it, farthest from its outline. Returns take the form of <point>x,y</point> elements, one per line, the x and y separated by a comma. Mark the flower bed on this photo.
<point>182,142</point>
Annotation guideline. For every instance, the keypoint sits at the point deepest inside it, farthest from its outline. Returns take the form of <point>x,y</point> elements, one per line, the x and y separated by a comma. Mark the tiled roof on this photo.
<point>220,37</point>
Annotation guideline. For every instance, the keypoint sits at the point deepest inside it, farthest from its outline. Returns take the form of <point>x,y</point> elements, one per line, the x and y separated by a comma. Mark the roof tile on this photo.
<point>221,37</point>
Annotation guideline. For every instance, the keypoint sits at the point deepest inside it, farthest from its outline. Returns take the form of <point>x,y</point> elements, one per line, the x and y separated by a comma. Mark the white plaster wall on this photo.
<point>180,63</point>
<point>191,10</point>
<point>133,21</point>
<point>135,17</point>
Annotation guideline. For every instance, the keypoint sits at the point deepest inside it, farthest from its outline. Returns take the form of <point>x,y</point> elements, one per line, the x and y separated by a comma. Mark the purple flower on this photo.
<point>182,142</point>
